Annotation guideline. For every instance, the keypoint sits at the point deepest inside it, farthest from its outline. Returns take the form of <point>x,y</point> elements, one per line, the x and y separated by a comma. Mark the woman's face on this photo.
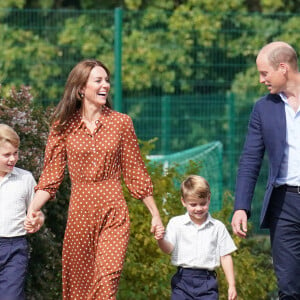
<point>97,87</point>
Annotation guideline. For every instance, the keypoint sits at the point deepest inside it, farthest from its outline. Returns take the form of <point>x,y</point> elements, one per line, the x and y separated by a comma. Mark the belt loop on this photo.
<point>208,274</point>
<point>211,273</point>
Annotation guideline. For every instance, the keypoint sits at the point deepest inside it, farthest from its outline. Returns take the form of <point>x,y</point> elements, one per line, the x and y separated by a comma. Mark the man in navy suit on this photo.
<point>274,127</point>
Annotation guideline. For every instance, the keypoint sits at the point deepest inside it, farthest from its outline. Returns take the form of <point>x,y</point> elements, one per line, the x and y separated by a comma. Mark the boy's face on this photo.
<point>197,208</point>
<point>8,158</point>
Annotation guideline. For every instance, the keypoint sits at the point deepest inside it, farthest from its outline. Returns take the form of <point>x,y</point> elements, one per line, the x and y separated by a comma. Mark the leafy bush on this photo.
<point>254,274</point>
<point>30,122</point>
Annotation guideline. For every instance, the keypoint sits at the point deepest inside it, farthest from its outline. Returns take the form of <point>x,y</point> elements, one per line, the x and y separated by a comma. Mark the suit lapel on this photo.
<point>280,119</point>
<point>277,119</point>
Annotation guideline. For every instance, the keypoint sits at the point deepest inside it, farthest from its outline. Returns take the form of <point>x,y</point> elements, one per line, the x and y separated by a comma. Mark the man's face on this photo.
<point>274,79</point>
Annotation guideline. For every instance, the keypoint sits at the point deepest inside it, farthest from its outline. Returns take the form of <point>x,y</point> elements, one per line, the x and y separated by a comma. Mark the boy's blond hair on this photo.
<point>195,186</point>
<point>7,134</point>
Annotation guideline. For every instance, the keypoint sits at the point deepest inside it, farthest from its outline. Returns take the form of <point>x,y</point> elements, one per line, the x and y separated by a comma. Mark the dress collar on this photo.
<point>101,121</point>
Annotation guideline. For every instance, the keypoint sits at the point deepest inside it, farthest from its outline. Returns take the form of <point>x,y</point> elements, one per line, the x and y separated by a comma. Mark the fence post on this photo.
<point>231,137</point>
<point>118,59</point>
<point>165,124</point>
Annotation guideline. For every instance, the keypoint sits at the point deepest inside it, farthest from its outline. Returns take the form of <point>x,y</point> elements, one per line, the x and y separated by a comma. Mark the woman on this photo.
<point>99,145</point>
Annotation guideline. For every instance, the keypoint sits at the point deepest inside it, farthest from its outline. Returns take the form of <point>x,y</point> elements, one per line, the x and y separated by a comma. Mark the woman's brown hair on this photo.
<point>71,100</point>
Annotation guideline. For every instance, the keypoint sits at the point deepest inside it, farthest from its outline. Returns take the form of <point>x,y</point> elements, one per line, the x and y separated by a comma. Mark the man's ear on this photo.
<point>283,67</point>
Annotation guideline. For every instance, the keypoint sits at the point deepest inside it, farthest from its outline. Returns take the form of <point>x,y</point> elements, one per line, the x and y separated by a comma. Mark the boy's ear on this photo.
<point>182,201</point>
<point>208,198</point>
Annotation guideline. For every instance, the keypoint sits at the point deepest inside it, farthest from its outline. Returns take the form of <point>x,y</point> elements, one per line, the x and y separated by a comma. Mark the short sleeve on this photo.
<point>226,243</point>
<point>134,171</point>
<point>171,231</point>
<point>31,183</point>
<point>54,163</point>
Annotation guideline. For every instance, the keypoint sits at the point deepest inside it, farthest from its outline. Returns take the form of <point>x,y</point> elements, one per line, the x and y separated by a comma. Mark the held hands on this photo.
<point>239,223</point>
<point>34,221</point>
<point>159,233</point>
<point>157,228</point>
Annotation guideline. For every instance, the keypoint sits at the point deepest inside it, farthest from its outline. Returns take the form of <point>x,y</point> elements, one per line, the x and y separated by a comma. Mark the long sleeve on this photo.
<point>54,163</point>
<point>250,163</point>
<point>134,170</point>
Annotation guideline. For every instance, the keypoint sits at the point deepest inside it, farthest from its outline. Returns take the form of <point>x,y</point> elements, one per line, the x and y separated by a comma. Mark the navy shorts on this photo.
<point>194,284</point>
<point>13,267</point>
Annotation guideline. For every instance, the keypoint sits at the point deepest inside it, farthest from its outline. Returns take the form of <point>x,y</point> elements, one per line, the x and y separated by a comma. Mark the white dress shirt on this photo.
<point>198,246</point>
<point>16,192</point>
<point>290,166</point>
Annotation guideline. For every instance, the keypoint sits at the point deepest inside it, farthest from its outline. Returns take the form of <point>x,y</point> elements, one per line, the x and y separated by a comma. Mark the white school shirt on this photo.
<point>198,246</point>
<point>16,192</point>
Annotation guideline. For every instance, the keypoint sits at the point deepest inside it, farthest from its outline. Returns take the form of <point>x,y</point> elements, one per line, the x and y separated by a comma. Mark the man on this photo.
<point>274,127</point>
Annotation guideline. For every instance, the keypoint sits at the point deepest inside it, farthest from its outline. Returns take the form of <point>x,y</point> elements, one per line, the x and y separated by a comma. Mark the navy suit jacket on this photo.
<point>266,132</point>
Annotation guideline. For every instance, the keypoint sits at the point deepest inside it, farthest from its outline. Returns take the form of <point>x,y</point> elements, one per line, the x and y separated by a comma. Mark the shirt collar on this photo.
<point>283,97</point>
<point>187,219</point>
<point>14,172</point>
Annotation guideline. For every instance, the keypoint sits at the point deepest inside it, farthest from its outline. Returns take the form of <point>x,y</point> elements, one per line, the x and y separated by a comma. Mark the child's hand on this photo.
<point>34,221</point>
<point>232,294</point>
<point>159,232</point>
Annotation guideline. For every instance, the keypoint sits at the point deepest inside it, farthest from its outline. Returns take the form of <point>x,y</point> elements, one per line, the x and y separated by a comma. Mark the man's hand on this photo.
<point>239,223</point>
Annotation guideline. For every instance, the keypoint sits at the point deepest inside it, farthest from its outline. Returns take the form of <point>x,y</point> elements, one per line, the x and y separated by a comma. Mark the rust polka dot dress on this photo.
<point>97,230</point>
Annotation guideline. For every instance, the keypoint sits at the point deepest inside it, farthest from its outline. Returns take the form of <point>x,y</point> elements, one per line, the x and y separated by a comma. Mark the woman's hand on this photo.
<point>157,227</point>
<point>34,221</point>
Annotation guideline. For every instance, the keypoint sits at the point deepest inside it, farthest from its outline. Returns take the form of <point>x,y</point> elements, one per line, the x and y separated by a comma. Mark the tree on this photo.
<point>12,3</point>
<point>19,47</point>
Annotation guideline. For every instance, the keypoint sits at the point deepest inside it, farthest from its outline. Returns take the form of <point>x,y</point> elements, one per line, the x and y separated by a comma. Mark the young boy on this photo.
<point>16,192</point>
<point>198,243</point>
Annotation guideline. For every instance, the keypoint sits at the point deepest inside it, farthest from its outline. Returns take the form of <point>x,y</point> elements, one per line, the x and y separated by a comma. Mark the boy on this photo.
<point>198,243</point>
<point>16,192</point>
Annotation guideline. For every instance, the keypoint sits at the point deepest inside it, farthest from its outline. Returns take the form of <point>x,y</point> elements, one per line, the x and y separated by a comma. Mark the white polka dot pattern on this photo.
<point>97,230</point>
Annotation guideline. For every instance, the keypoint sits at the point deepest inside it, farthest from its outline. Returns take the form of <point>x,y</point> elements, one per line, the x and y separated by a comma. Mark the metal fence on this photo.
<point>209,163</point>
<point>175,81</point>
